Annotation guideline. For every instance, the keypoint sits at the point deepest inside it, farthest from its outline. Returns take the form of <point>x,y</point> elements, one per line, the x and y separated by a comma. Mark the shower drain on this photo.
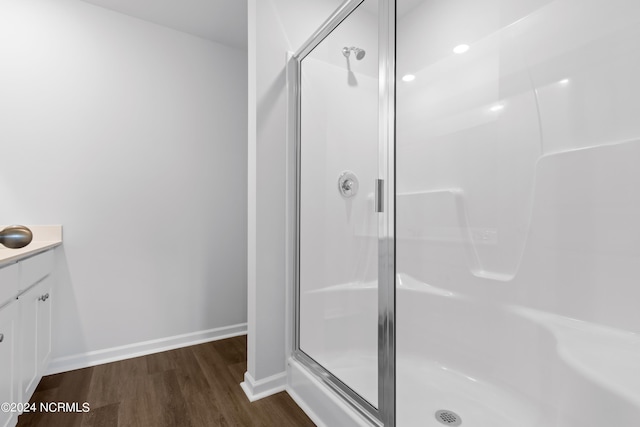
<point>448,418</point>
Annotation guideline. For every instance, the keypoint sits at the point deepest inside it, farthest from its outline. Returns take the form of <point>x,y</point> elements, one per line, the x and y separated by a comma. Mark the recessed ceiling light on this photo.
<point>496,108</point>
<point>564,82</point>
<point>408,78</point>
<point>461,48</point>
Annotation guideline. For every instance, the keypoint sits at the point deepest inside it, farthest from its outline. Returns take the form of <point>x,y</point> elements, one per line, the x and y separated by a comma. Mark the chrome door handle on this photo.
<point>379,195</point>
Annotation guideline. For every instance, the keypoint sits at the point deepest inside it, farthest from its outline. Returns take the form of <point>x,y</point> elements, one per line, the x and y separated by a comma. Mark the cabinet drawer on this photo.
<point>35,268</point>
<point>8,283</point>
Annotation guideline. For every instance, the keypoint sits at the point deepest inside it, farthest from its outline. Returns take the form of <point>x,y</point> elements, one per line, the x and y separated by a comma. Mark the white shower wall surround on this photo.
<point>516,204</point>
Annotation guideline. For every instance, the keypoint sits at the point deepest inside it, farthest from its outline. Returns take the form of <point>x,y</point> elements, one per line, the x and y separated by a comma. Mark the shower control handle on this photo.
<point>348,184</point>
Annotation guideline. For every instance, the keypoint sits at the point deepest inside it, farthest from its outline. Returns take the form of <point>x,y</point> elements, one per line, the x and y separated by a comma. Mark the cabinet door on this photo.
<point>35,325</point>
<point>43,333</point>
<point>28,341</point>
<point>8,379</point>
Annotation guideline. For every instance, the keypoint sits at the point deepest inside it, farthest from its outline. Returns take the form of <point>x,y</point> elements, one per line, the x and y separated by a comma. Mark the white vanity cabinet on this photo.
<point>25,329</point>
<point>8,283</point>
<point>35,335</point>
<point>9,390</point>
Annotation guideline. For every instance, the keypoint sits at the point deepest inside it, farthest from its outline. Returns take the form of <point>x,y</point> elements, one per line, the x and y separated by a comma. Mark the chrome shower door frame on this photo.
<point>384,415</point>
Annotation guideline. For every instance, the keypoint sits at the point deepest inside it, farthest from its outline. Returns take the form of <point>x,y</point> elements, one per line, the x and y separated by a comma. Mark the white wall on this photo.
<point>275,27</point>
<point>132,136</point>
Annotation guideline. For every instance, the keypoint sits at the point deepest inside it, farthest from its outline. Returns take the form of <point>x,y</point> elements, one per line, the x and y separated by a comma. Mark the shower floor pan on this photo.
<point>427,387</point>
<point>493,364</point>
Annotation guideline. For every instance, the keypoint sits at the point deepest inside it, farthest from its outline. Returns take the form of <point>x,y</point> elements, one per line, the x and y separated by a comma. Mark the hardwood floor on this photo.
<point>191,387</point>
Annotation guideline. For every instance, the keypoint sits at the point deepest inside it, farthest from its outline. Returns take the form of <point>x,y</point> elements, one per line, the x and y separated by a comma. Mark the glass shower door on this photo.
<point>337,221</point>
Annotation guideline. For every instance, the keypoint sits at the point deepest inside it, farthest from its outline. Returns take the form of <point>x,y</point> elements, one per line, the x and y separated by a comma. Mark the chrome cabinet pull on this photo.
<point>1,337</point>
<point>44,297</point>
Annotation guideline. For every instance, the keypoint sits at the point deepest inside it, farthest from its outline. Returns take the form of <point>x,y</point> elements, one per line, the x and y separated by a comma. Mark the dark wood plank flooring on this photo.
<point>191,387</point>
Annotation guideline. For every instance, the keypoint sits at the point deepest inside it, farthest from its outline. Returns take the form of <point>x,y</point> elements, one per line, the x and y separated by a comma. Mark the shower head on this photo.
<point>346,51</point>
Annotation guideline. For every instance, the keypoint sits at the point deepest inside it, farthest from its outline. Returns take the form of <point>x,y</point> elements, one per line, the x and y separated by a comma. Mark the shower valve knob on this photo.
<point>348,184</point>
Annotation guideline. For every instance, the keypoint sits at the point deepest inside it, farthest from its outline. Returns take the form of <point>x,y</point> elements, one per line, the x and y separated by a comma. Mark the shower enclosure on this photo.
<point>467,247</point>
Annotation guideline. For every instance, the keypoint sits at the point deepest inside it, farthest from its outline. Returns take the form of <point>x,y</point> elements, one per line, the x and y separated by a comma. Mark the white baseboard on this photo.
<point>257,389</point>
<point>114,354</point>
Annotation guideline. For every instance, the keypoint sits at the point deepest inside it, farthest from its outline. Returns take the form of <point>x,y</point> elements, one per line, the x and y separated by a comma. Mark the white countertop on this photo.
<point>44,237</point>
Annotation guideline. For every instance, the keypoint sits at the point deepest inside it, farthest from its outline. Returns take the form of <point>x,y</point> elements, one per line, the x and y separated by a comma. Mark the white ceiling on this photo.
<point>222,21</point>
